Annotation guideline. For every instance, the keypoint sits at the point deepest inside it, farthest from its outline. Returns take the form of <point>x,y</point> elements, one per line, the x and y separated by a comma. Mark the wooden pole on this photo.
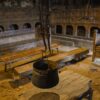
<point>94,44</point>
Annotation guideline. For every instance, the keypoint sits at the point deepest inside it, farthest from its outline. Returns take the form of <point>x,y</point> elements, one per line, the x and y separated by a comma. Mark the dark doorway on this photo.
<point>14,27</point>
<point>58,29</point>
<point>1,28</point>
<point>92,30</point>
<point>69,30</point>
<point>81,31</point>
<point>37,24</point>
<point>27,26</point>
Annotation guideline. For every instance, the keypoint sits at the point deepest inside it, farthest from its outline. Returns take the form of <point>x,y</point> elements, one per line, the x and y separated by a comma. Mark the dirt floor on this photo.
<point>13,90</point>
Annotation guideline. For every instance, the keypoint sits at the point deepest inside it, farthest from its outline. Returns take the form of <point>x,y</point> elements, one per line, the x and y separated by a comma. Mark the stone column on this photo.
<point>75,30</point>
<point>87,31</point>
<point>64,29</point>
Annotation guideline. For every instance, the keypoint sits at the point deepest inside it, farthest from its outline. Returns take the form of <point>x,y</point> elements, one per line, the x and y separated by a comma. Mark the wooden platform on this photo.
<point>70,85</point>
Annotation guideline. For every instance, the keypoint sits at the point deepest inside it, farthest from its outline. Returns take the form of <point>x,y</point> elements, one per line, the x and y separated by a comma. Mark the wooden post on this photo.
<point>94,44</point>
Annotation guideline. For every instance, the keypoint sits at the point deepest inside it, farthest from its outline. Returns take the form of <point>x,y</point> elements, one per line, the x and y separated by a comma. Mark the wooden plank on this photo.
<point>61,56</point>
<point>24,70</point>
<point>70,85</point>
<point>24,53</point>
<point>97,47</point>
<point>25,61</point>
<point>97,55</point>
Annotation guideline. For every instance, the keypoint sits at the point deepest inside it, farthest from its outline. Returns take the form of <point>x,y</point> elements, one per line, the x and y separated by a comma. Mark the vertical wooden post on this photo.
<point>94,44</point>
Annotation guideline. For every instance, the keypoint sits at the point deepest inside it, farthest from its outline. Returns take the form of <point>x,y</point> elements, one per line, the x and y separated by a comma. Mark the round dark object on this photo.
<point>43,76</point>
<point>45,96</point>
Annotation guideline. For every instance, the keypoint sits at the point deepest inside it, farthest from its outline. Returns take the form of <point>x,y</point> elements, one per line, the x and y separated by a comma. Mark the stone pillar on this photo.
<point>88,32</point>
<point>75,30</point>
<point>64,29</point>
<point>54,29</point>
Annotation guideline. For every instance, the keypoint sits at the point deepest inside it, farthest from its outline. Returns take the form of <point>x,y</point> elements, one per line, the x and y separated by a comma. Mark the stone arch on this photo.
<point>27,26</point>
<point>37,24</point>
<point>59,29</point>
<point>69,30</point>
<point>14,27</point>
<point>1,28</point>
<point>81,31</point>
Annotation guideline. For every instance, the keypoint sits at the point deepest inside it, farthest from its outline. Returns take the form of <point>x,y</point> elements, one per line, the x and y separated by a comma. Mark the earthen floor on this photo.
<point>13,91</point>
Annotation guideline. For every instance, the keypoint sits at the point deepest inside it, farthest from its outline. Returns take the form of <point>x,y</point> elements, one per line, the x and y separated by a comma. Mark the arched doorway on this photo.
<point>27,26</point>
<point>14,27</point>
<point>58,29</point>
<point>69,30</point>
<point>81,31</point>
<point>1,28</point>
<point>92,30</point>
<point>38,24</point>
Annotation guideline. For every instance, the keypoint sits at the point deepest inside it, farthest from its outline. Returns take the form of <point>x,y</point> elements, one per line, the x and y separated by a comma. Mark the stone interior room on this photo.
<point>49,49</point>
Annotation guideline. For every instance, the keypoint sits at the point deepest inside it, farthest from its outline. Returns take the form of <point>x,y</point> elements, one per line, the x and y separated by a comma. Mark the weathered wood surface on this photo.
<point>96,53</point>
<point>61,56</point>
<point>24,53</point>
<point>70,85</point>
<point>98,48</point>
<point>24,69</point>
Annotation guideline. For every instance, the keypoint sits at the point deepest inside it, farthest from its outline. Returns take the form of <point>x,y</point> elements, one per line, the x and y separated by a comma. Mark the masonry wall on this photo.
<point>75,18</point>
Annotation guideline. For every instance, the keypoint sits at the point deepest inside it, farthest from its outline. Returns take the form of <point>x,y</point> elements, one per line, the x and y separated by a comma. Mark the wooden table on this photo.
<point>71,85</point>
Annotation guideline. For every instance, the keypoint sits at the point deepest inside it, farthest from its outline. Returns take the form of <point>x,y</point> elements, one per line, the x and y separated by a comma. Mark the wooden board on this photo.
<point>61,56</point>
<point>70,85</point>
<point>24,70</point>
<point>24,53</point>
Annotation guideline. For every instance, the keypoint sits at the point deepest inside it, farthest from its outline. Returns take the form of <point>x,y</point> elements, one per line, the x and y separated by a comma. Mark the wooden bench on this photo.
<point>11,58</point>
<point>68,56</point>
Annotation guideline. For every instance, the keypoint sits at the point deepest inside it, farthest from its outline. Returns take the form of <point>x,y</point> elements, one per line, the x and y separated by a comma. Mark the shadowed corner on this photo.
<point>45,96</point>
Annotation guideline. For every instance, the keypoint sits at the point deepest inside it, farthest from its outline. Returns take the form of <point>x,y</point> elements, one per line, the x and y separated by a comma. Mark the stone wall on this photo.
<point>26,12</point>
<point>76,18</point>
